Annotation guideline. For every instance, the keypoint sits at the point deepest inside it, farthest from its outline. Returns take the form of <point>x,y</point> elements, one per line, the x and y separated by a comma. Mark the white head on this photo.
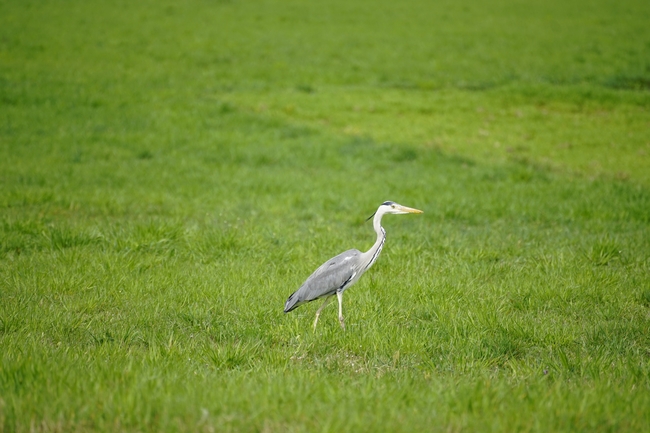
<point>394,208</point>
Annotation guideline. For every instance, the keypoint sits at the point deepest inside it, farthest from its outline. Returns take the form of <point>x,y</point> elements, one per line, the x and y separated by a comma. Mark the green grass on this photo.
<point>170,173</point>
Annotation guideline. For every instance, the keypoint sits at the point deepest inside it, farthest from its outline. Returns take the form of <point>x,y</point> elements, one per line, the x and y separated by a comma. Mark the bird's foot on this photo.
<point>342,322</point>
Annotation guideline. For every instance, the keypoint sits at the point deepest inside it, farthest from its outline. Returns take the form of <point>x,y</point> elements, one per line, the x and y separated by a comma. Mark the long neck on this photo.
<point>372,254</point>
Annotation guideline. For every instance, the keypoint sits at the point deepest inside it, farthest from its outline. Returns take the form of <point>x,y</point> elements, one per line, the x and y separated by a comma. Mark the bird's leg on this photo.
<point>327,301</point>
<point>339,295</point>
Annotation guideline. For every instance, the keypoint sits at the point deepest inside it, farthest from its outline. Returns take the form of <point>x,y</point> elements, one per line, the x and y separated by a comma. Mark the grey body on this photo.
<point>336,274</point>
<point>339,273</point>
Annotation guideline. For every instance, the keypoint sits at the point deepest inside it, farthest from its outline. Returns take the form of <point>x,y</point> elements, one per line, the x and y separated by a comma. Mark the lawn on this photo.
<point>171,172</point>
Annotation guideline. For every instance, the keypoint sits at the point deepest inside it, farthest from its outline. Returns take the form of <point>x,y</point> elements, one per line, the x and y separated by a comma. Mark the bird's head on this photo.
<point>394,208</point>
<point>398,209</point>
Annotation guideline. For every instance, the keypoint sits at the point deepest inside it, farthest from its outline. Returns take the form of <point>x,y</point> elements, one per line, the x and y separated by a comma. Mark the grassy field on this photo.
<point>170,172</point>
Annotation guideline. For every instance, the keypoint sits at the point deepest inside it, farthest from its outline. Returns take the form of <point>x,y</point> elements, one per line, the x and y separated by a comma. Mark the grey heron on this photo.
<point>339,273</point>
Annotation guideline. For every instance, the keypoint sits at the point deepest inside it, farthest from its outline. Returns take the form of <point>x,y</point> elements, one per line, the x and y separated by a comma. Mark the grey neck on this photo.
<point>372,254</point>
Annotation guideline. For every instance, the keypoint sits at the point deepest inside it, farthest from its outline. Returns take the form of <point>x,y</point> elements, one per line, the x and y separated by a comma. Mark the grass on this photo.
<point>172,172</point>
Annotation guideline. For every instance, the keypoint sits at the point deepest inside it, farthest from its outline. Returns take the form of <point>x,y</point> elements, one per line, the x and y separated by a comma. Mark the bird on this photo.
<point>339,273</point>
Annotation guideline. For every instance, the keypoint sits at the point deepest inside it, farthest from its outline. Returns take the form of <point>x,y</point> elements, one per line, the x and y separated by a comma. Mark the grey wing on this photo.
<point>326,280</point>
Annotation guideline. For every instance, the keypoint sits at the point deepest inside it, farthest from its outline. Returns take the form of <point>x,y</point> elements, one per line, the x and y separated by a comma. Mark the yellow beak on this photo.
<point>409,209</point>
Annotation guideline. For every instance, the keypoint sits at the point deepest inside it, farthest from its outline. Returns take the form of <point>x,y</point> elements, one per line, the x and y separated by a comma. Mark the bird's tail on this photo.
<point>292,302</point>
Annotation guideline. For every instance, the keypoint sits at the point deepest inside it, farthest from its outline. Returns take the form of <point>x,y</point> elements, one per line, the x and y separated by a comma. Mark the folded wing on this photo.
<point>335,274</point>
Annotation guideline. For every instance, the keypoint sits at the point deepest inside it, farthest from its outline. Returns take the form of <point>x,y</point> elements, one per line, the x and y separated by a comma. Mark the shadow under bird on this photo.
<point>339,273</point>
